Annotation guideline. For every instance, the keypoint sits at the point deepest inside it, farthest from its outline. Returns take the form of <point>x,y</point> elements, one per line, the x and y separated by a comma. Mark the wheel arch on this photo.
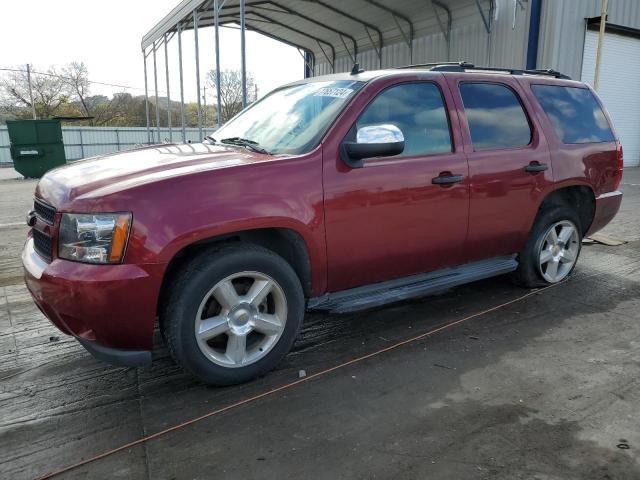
<point>286,242</point>
<point>578,196</point>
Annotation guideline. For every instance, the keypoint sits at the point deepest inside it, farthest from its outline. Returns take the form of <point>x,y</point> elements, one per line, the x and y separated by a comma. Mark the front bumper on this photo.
<point>110,309</point>
<point>115,356</point>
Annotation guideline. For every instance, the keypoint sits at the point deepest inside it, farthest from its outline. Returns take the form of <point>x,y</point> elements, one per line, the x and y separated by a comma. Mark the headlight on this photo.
<point>94,238</point>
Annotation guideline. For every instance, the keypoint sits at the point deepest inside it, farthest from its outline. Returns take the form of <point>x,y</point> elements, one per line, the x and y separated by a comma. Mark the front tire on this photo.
<point>233,313</point>
<point>552,249</point>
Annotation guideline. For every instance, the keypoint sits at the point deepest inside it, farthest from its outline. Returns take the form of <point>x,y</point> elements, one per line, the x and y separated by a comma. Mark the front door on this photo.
<point>390,218</point>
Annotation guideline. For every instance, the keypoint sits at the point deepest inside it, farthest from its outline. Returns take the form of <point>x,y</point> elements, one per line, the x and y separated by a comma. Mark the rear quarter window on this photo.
<point>574,113</point>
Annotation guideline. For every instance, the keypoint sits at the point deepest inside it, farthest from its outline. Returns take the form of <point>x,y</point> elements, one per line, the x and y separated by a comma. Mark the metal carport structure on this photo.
<point>333,35</point>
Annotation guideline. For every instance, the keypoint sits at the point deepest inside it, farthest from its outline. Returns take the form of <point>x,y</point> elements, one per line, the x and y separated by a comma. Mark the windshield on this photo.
<point>291,119</point>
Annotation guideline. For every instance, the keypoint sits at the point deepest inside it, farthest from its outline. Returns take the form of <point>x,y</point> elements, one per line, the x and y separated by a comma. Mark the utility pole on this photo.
<point>33,105</point>
<point>603,24</point>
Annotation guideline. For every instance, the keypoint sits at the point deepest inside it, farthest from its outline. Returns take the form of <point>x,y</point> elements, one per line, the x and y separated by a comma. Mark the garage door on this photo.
<point>619,86</point>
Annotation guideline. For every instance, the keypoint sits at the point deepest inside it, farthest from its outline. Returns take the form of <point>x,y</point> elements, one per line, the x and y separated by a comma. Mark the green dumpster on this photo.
<point>36,146</point>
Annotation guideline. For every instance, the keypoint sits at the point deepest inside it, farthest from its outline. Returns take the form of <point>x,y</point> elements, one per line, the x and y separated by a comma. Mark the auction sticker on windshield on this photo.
<point>333,92</point>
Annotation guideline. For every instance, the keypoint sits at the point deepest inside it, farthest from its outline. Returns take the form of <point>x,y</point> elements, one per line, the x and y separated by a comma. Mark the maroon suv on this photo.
<point>334,193</point>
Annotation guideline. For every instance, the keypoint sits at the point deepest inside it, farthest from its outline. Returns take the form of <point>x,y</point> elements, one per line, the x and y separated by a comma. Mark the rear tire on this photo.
<point>233,313</point>
<point>552,249</point>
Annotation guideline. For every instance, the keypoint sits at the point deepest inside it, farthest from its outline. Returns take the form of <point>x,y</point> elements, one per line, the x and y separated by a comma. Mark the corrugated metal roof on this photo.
<point>338,27</point>
<point>331,30</point>
<point>168,24</point>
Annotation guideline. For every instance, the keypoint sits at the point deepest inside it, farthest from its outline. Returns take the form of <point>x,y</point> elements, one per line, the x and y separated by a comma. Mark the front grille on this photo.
<point>43,211</point>
<point>42,244</point>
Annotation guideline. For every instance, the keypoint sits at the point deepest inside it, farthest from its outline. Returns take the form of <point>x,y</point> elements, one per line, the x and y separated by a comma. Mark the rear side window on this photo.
<point>575,114</point>
<point>417,109</point>
<point>495,115</point>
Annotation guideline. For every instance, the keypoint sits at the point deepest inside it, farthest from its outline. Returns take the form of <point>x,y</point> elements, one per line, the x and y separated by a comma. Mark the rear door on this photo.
<point>509,165</point>
<point>388,219</point>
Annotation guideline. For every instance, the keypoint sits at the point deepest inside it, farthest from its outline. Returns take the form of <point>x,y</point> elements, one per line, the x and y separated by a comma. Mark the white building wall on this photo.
<point>563,27</point>
<point>617,76</point>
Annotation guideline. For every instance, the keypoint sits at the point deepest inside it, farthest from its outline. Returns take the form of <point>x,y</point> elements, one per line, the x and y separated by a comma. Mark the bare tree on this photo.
<point>76,76</point>
<point>50,91</point>
<point>230,91</point>
<point>67,94</point>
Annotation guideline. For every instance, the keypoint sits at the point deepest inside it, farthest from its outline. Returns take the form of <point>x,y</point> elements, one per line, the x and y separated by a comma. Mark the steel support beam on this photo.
<point>274,37</point>
<point>367,27</point>
<point>243,54</point>
<point>332,60</point>
<point>155,82</point>
<point>290,11</point>
<point>488,21</point>
<point>182,114</point>
<point>308,63</point>
<point>166,68</point>
<point>231,19</point>
<point>216,22</point>
<point>268,19</point>
<point>534,34</point>
<point>408,38</point>
<point>146,97</point>
<point>445,27</point>
<point>488,25</point>
<point>354,57</point>
<point>195,36</point>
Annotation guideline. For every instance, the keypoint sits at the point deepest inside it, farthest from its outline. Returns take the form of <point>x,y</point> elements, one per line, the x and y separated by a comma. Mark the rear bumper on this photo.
<point>110,309</point>
<point>607,206</point>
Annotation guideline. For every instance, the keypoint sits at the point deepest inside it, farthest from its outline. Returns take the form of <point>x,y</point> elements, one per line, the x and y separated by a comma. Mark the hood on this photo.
<point>116,172</point>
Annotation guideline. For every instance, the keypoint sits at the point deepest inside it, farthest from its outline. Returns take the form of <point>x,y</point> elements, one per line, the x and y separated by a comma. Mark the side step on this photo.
<point>378,294</point>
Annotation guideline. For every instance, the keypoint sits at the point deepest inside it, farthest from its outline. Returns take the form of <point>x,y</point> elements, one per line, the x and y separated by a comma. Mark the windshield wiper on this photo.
<point>245,142</point>
<point>209,137</point>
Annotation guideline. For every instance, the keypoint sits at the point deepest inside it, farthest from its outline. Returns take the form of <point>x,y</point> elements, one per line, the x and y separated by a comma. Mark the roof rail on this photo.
<point>435,64</point>
<point>465,66</point>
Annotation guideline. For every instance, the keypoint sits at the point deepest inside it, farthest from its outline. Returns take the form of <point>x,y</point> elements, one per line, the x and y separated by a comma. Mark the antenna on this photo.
<point>356,69</point>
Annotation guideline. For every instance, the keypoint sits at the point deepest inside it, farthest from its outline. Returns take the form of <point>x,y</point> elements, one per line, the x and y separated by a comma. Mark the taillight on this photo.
<point>619,165</point>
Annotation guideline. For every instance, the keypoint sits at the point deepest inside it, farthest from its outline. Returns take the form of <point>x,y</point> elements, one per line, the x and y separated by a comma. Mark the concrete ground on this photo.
<point>8,173</point>
<point>547,387</point>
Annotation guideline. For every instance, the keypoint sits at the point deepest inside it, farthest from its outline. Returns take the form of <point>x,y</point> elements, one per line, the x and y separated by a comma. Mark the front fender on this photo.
<point>178,212</point>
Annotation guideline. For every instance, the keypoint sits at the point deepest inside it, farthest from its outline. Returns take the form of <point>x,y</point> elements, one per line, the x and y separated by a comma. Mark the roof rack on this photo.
<point>465,66</point>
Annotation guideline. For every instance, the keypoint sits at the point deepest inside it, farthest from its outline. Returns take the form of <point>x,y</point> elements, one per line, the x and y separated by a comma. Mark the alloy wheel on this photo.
<point>558,251</point>
<point>240,319</point>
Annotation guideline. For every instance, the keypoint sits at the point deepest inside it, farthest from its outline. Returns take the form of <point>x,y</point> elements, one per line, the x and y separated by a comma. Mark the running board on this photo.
<point>378,294</point>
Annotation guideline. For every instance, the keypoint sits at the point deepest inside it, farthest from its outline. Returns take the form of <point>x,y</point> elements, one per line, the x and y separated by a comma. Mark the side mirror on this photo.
<point>373,141</point>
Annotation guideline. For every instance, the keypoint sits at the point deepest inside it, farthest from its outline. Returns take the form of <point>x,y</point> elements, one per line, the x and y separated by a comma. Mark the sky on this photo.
<point>106,35</point>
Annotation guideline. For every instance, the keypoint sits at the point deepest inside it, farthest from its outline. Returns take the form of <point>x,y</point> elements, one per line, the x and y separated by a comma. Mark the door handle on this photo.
<point>447,179</point>
<point>535,167</point>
